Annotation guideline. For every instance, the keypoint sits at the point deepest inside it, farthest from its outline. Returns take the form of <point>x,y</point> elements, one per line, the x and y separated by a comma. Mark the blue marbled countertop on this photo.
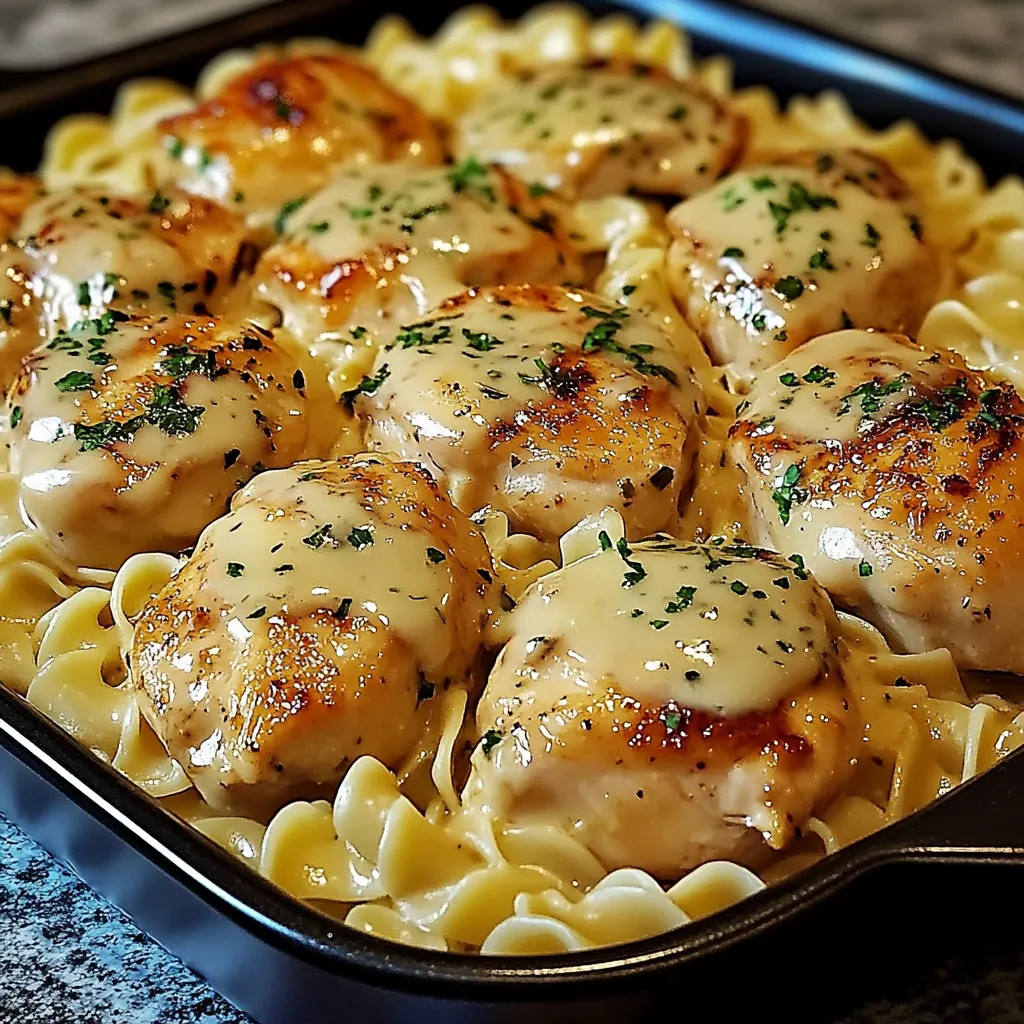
<point>69,957</point>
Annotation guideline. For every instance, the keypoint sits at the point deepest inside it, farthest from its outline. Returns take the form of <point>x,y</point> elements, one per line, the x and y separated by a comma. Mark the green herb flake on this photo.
<point>871,236</point>
<point>490,740</point>
<point>865,569</point>
<point>319,537</point>
<point>789,288</point>
<point>738,587</point>
<point>158,202</point>
<point>791,380</point>
<point>819,374</point>
<point>235,569</point>
<point>16,414</point>
<point>435,556</point>
<point>788,494</point>
<point>76,380</point>
<point>733,253</point>
<point>287,210</point>
<point>360,537</point>
<point>658,623</point>
<point>367,386</point>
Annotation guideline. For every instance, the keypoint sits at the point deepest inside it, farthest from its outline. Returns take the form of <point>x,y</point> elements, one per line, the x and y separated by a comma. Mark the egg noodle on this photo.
<point>396,854</point>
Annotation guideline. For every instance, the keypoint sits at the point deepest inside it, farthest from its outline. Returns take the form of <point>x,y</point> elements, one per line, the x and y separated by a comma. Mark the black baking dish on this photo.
<point>286,964</point>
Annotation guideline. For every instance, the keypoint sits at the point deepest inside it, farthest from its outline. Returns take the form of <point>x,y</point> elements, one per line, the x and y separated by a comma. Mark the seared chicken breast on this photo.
<point>778,254</point>
<point>283,125</point>
<point>896,473</point>
<point>667,705</point>
<point>131,434</point>
<point>319,620</point>
<point>544,403</point>
<point>604,128</point>
<point>82,251</point>
<point>381,245</point>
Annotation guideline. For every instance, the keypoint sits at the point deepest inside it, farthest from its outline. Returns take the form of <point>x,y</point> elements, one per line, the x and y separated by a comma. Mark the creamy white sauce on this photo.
<point>706,627</point>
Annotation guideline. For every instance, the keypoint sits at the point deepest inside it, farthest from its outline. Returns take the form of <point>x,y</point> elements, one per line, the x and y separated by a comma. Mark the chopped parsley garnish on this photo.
<point>986,412</point>
<point>287,210</point>
<point>367,386</point>
<point>435,556</point>
<point>684,598</point>
<point>673,720</point>
<point>636,571</point>
<point>871,236</point>
<point>763,182</point>
<point>174,146</point>
<point>801,572</point>
<point>865,569</point>
<point>180,361</point>
<point>915,226</point>
<point>490,740</point>
<point>789,288</point>
<point>159,202</point>
<point>235,569</point>
<point>167,291</point>
<point>425,692</point>
<point>360,537</point>
<point>171,414</point>
<point>820,260</point>
<point>471,174</point>
<point>319,537</point>
<point>798,199</point>
<point>819,374</point>
<point>259,613</point>
<point>419,335</point>
<point>537,189</point>
<point>784,646</point>
<point>343,608</point>
<point>738,587</point>
<point>480,341</point>
<point>788,494</point>
<point>602,337</point>
<point>871,393</point>
<point>16,414</point>
<point>733,253</point>
<point>791,380</point>
<point>320,227</point>
<point>945,409</point>
<point>76,380</point>
<point>658,623</point>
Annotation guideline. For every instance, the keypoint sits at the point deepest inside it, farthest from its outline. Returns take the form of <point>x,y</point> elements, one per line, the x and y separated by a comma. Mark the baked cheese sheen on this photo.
<point>544,403</point>
<point>893,469</point>
<point>712,629</point>
<point>131,434</point>
<point>777,254</point>
<point>314,623</point>
<point>666,704</point>
<point>604,129</point>
<point>382,244</point>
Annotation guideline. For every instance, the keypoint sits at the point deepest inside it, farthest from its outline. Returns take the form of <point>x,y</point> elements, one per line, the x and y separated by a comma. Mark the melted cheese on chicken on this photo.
<point>315,623</point>
<point>602,129</point>
<point>778,254</point>
<point>896,472</point>
<point>667,705</point>
<point>542,403</point>
<point>130,435</point>
<point>381,245</point>
<point>83,251</point>
<point>281,127</point>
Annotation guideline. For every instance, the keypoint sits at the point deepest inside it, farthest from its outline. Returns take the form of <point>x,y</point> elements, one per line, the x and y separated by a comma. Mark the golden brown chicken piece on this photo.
<point>896,473</point>
<point>778,254</point>
<point>131,434</point>
<point>604,128</point>
<point>283,126</point>
<point>667,705</point>
<point>383,244</point>
<point>543,403</point>
<point>319,620</point>
<point>82,251</point>
<point>17,191</point>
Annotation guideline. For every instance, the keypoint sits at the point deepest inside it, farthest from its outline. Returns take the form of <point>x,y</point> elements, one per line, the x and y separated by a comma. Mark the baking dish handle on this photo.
<point>979,822</point>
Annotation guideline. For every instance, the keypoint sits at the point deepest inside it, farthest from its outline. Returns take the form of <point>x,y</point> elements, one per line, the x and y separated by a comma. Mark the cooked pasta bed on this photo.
<point>512,489</point>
